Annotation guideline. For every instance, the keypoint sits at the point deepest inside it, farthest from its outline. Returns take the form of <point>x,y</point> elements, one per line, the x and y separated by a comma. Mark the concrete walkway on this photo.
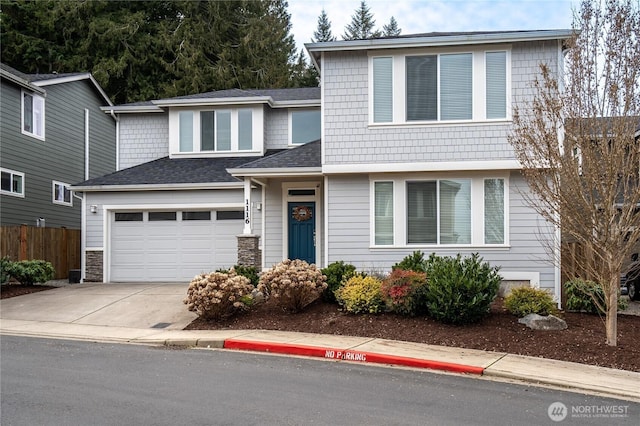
<point>154,314</point>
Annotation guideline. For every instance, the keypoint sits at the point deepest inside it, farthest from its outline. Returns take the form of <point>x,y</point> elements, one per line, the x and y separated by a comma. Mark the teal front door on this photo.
<point>302,231</point>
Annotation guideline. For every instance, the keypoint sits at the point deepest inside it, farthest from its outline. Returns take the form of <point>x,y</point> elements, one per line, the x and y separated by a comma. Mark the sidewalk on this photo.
<point>153,314</point>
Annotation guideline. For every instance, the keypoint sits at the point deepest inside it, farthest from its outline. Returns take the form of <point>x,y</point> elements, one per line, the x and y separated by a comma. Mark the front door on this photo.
<point>302,231</point>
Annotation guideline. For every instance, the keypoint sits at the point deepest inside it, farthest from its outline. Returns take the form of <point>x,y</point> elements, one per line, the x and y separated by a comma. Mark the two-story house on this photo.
<point>413,155</point>
<point>53,134</point>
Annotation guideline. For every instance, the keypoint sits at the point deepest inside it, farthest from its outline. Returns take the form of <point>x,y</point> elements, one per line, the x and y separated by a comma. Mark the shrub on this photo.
<point>292,284</point>
<point>250,272</point>
<point>337,273</point>
<point>460,291</point>
<point>218,295</point>
<point>527,300</point>
<point>414,262</point>
<point>4,273</point>
<point>29,272</point>
<point>360,294</point>
<point>403,292</point>
<point>582,295</point>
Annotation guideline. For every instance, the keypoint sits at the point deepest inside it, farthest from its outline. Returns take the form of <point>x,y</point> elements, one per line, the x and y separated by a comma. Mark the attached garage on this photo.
<point>171,245</point>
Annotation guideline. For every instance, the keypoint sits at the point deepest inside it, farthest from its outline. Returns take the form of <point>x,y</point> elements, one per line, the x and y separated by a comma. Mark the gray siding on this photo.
<point>349,232</point>
<point>60,157</point>
<point>348,138</point>
<point>272,238</point>
<point>276,128</point>
<point>153,199</point>
<point>143,138</point>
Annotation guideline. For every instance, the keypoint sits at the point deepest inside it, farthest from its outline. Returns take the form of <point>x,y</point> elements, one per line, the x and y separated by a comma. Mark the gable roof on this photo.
<point>35,82</point>
<point>304,159</point>
<point>275,98</point>
<point>166,173</point>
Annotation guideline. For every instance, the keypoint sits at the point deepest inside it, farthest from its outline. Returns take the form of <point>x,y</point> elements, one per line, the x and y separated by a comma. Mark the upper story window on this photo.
<point>12,183</point>
<point>304,126</point>
<point>61,193</point>
<point>439,87</point>
<point>33,115</point>
<point>211,132</point>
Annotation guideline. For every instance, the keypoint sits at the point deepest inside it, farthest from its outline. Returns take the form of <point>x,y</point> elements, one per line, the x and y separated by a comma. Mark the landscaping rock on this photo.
<point>257,296</point>
<point>538,322</point>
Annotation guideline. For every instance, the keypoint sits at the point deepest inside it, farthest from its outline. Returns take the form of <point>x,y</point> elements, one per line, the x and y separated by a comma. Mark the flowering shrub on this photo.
<point>403,291</point>
<point>218,295</point>
<point>527,300</point>
<point>361,294</point>
<point>292,284</point>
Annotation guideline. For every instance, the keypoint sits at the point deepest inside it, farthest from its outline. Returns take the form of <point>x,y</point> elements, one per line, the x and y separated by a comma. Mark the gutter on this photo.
<point>157,187</point>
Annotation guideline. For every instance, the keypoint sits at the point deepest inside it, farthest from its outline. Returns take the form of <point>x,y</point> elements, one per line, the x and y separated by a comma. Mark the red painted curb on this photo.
<point>348,355</point>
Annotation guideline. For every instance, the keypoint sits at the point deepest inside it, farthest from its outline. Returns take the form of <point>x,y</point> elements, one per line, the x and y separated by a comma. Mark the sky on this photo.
<point>422,16</point>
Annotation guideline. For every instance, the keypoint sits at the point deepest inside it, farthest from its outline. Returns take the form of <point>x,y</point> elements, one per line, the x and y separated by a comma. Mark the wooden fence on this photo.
<point>60,246</point>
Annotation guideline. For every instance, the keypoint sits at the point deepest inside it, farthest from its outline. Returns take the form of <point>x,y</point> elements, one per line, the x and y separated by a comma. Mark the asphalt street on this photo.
<point>60,382</point>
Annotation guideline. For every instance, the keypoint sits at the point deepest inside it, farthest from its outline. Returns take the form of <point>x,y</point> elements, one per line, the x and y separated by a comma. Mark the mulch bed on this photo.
<point>583,341</point>
<point>13,290</point>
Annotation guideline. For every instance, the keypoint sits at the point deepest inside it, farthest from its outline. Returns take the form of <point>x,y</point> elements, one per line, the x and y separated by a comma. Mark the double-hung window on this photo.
<point>439,87</point>
<point>12,183</point>
<point>33,115</point>
<point>61,193</point>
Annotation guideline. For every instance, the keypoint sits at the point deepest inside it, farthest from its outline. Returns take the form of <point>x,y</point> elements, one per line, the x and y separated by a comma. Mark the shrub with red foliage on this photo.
<point>403,292</point>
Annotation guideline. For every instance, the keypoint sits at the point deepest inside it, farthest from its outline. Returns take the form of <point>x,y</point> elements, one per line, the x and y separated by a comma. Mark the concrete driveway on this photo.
<point>139,305</point>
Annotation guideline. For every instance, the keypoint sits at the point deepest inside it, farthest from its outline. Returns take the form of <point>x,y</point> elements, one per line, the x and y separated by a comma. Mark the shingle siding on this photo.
<point>276,123</point>
<point>348,138</point>
<point>143,138</point>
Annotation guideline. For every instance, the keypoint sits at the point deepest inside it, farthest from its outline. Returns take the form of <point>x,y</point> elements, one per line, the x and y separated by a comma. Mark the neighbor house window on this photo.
<point>439,87</point>
<point>494,211</point>
<point>305,126</point>
<point>383,213</point>
<point>61,193</point>
<point>33,115</point>
<point>12,183</point>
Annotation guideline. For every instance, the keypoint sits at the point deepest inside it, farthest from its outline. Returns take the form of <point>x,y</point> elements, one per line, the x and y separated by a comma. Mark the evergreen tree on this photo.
<point>323,32</point>
<point>362,24</point>
<point>391,29</point>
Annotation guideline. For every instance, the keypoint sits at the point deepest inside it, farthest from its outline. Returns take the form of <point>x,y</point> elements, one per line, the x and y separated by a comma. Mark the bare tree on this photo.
<point>578,144</point>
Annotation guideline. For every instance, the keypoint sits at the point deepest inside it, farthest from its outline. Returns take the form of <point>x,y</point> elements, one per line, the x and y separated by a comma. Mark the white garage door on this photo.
<point>172,245</point>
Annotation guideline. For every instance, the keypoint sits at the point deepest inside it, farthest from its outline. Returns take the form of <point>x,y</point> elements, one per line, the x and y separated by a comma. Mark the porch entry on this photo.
<point>302,231</point>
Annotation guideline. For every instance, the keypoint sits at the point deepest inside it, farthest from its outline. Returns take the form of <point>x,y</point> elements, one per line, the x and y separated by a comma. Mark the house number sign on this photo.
<point>246,212</point>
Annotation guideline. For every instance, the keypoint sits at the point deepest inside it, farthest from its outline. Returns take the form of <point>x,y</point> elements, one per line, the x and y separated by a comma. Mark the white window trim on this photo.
<point>24,132</point>
<point>400,210</point>
<point>11,193</point>
<point>55,183</point>
<point>478,83</point>
<point>290,125</point>
<point>257,132</point>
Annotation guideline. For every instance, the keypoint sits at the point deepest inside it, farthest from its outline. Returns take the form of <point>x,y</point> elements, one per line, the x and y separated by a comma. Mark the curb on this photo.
<point>340,354</point>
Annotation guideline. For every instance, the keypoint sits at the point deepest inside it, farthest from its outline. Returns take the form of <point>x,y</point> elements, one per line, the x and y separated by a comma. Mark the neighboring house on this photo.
<point>413,156</point>
<point>53,134</point>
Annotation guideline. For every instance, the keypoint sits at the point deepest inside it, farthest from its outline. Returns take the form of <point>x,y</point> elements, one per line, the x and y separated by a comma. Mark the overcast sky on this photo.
<point>421,16</point>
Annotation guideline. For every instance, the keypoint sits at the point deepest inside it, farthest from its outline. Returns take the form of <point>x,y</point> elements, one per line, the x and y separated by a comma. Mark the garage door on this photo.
<point>172,245</point>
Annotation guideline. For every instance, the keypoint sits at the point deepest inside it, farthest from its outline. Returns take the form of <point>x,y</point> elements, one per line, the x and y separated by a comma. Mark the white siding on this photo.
<point>143,138</point>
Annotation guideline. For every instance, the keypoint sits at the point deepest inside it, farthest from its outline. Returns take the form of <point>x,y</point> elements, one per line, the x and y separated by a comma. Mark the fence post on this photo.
<point>23,242</point>
<point>64,251</point>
